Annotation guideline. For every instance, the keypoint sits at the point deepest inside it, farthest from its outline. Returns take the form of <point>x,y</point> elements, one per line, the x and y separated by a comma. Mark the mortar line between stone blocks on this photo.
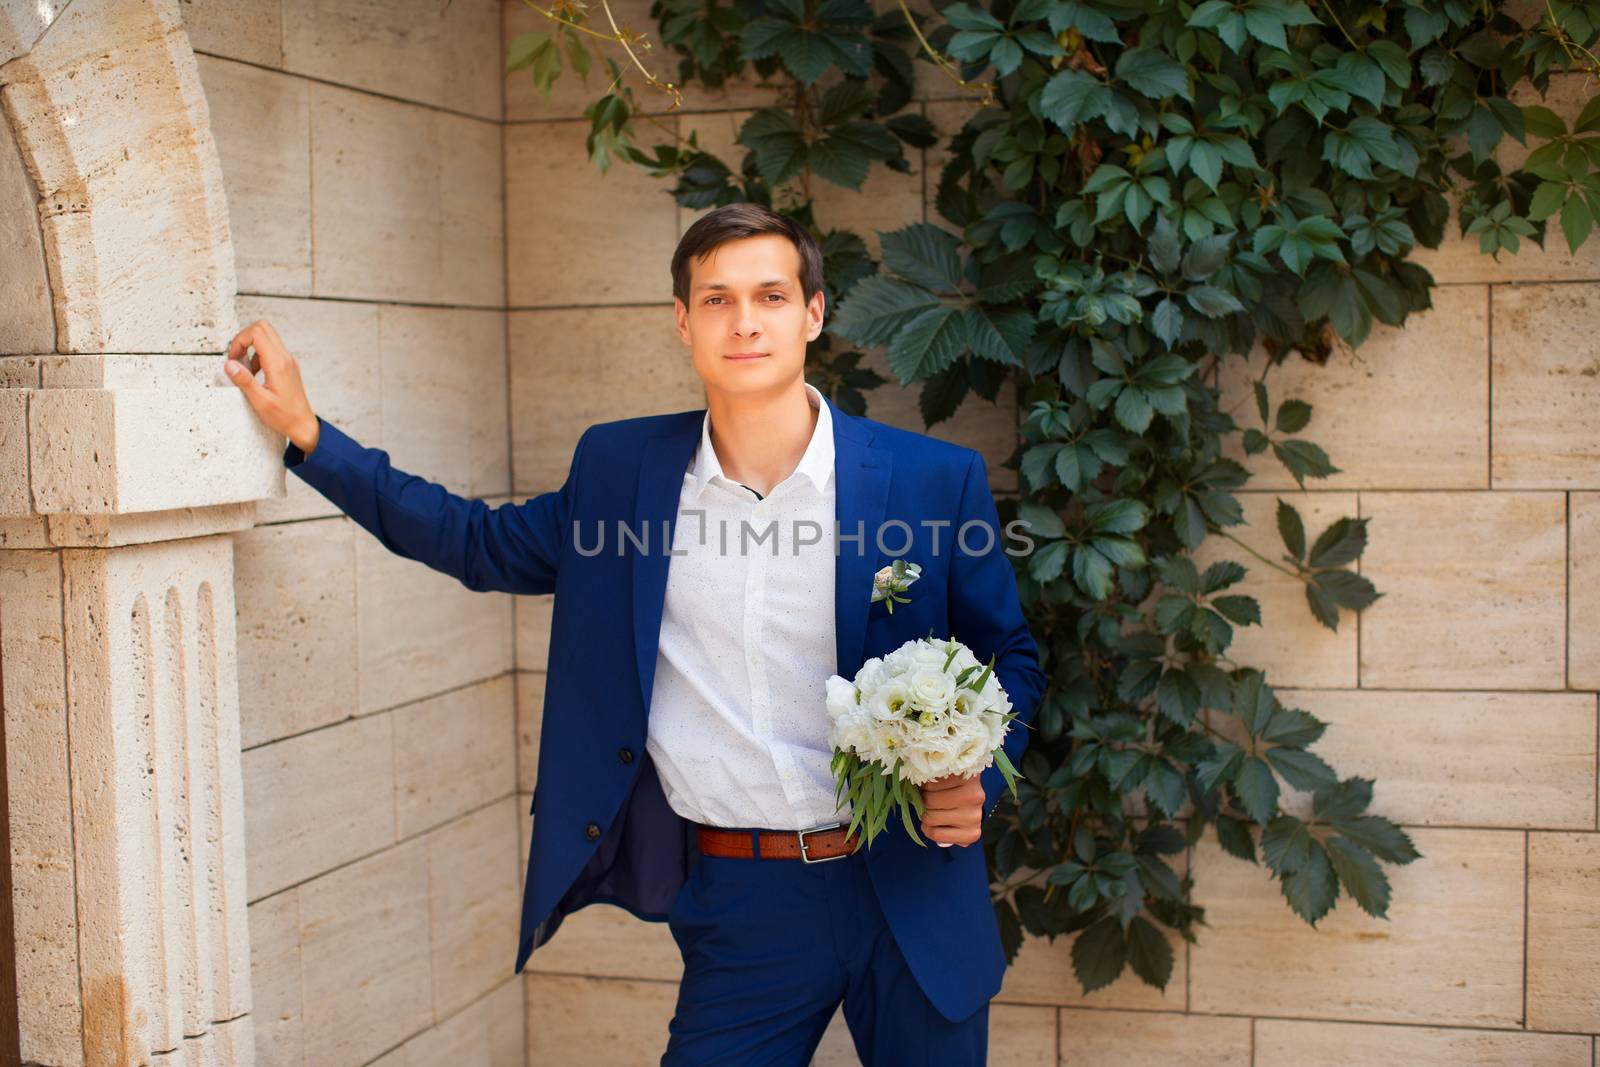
<point>311,206</point>
<point>1413,1024</point>
<point>1253,1022</point>
<point>423,104</point>
<point>1527,855</point>
<point>398,842</point>
<point>1566,577</point>
<point>372,301</point>
<point>402,706</point>
<point>438,1022</point>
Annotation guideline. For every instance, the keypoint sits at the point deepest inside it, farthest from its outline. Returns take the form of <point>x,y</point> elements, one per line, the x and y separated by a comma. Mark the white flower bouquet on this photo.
<point>926,710</point>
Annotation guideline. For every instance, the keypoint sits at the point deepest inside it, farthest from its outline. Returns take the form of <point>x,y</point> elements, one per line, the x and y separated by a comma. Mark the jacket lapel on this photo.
<point>667,456</point>
<point>861,482</point>
<point>861,491</point>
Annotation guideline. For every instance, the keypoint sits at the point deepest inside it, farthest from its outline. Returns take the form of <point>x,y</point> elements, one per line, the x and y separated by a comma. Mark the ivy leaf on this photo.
<point>1234,837</point>
<point>1000,337</point>
<point>1240,610</point>
<point>1379,836</point>
<point>1164,788</point>
<point>1117,516</point>
<point>1323,609</point>
<point>1342,542</point>
<point>1361,876</point>
<point>1154,73</point>
<point>879,308</point>
<point>925,254</point>
<point>1041,521</point>
<point>1133,409</point>
<point>1346,800</point>
<point>1099,954</point>
<point>1347,589</point>
<point>1285,844</point>
<point>1074,96</point>
<point>1150,952</point>
<point>1291,529</point>
<point>774,137</point>
<point>1220,575</point>
<point>1301,769</point>
<point>927,344</point>
<point>1304,460</point>
<point>1311,889</point>
<point>1293,415</point>
<point>1256,789</point>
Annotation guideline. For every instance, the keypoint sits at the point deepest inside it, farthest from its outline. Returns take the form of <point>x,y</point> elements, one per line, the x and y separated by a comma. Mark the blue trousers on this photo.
<point>770,948</point>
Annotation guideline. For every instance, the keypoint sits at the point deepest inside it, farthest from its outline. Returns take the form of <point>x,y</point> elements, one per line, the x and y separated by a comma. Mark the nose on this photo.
<point>746,325</point>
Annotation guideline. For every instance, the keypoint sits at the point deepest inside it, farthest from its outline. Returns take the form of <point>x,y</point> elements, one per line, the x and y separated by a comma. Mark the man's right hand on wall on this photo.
<point>281,401</point>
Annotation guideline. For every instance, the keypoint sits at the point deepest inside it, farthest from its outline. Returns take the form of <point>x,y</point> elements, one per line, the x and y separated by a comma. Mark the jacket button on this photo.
<point>592,831</point>
<point>625,755</point>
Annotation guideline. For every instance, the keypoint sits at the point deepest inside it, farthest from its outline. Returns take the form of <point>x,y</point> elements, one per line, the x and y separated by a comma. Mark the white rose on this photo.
<point>852,732</point>
<point>974,746</point>
<point>870,676</point>
<point>930,688</point>
<point>996,726</point>
<point>841,698</point>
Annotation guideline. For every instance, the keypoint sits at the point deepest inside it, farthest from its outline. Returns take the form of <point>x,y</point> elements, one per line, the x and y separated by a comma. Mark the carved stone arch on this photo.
<point>126,460</point>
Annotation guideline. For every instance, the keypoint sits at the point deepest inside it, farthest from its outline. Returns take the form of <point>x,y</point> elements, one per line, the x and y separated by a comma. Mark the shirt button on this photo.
<point>592,831</point>
<point>625,755</point>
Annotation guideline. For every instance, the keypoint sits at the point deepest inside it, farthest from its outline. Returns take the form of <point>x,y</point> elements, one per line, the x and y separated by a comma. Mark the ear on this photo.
<point>680,312</point>
<point>814,313</point>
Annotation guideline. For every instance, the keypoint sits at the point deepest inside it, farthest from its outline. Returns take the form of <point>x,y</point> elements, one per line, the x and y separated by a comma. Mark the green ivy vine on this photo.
<point>1145,189</point>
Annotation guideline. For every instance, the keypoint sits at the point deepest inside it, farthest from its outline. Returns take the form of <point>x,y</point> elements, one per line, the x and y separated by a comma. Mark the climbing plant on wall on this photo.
<point>1143,190</point>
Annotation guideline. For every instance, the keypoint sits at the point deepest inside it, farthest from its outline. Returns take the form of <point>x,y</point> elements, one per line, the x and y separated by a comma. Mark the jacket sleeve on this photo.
<point>512,548</point>
<point>986,616</point>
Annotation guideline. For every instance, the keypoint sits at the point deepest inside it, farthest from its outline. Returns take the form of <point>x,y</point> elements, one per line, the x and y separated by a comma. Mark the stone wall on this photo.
<point>361,152</point>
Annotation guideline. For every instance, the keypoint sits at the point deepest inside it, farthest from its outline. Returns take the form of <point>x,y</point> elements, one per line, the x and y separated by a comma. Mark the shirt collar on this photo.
<point>816,463</point>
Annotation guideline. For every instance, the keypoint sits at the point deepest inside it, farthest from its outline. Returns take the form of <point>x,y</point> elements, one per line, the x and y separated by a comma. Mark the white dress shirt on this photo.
<point>738,726</point>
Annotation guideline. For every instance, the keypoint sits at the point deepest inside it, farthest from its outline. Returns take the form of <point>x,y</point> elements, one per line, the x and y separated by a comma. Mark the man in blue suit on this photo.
<point>684,768</point>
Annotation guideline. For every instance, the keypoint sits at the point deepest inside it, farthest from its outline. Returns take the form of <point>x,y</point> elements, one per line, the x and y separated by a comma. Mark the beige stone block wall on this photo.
<point>361,150</point>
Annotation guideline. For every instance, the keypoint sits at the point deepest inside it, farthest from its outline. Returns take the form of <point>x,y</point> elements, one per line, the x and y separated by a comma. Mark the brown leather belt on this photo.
<point>813,845</point>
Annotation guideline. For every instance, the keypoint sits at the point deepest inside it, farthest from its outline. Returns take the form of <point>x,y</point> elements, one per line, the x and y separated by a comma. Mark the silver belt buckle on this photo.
<point>805,855</point>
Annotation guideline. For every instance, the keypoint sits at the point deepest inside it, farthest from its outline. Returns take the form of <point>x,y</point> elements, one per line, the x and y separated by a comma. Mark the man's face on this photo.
<point>744,297</point>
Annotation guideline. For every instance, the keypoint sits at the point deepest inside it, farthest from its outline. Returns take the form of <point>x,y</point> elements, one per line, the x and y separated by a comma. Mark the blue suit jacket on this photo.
<point>603,830</point>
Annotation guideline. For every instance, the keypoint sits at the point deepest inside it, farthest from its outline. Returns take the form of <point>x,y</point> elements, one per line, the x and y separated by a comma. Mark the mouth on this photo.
<point>743,356</point>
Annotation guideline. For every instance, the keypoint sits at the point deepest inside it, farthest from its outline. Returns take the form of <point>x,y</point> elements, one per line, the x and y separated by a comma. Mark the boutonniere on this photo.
<point>891,581</point>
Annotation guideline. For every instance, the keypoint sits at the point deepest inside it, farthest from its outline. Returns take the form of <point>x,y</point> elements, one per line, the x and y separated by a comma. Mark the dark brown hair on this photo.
<point>733,221</point>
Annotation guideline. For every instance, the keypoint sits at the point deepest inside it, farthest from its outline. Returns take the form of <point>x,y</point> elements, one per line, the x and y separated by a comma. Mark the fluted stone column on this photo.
<point>125,462</point>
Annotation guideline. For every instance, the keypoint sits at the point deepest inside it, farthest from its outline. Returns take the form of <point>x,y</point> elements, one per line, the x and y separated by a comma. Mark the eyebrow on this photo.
<point>775,283</point>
